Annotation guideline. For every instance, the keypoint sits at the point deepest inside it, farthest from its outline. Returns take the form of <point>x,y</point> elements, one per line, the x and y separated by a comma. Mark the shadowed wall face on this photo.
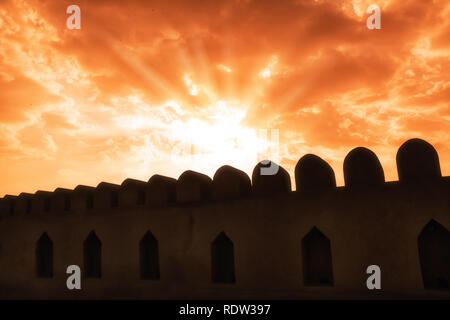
<point>44,257</point>
<point>67,203</point>
<point>89,201</point>
<point>222,260</point>
<point>317,267</point>
<point>114,199</point>
<point>149,257</point>
<point>28,207</point>
<point>92,256</point>
<point>12,208</point>
<point>434,254</point>
<point>141,197</point>
<point>47,204</point>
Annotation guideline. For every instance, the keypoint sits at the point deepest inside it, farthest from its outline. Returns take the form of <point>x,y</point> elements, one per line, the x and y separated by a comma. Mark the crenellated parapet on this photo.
<point>362,169</point>
<point>312,174</point>
<point>22,204</point>
<point>161,191</point>
<point>265,184</point>
<point>61,200</point>
<point>193,187</point>
<point>132,192</point>
<point>230,183</point>
<point>417,163</point>
<point>106,195</point>
<point>83,198</point>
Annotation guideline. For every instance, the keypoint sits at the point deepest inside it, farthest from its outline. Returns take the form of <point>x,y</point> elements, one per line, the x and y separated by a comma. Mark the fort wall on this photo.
<point>368,221</point>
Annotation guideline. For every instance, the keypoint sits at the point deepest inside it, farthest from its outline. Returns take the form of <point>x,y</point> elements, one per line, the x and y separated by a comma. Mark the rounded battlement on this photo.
<point>83,197</point>
<point>362,169</point>
<point>312,173</point>
<point>107,186</point>
<point>230,183</point>
<point>61,200</point>
<point>41,202</point>
<point>161,191</point>
<point>106,196</point>
<point>417,160</point>
<point>9,205</point>
<point>193,186</point>
<point>21,204</point>
<point>83,188</point>
<point>269,178</point>
<point>132,193</point>
<point>132,183</point>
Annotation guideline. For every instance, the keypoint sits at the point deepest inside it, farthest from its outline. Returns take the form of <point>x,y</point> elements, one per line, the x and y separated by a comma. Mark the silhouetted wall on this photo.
<point>231,238</point>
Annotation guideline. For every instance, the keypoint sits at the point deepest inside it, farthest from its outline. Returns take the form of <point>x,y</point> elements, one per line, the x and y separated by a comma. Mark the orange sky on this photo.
<point>151,87</point>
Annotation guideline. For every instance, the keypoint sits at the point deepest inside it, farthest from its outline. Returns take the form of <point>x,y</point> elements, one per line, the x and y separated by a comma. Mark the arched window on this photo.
<point>222,260</point>
<point>149,257</point>
<point>44,257</point>
<point>114,199</point>
<point>92,256</point>
<point>434,255</point>
<point>316,253</point>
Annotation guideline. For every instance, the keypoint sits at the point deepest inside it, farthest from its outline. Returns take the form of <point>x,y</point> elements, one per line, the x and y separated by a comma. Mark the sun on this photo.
<point>219,139</point>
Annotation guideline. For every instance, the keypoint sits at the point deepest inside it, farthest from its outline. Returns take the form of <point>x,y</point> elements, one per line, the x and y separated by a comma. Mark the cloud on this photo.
<point>144,83</point>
